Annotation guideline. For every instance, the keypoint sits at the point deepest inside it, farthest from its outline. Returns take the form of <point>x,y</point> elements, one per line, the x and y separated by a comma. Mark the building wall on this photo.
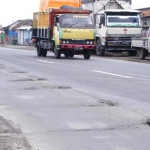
<point>23,35</point>
<point>99,5</point>
<point>146,21</point>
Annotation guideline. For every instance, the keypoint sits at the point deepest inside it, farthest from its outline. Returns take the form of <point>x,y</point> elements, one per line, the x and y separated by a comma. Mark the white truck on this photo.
<point>142,44</point>
<point>115,25</point>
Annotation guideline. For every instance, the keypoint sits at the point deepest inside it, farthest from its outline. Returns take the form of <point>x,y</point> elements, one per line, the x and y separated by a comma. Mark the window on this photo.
<point>102,19</point>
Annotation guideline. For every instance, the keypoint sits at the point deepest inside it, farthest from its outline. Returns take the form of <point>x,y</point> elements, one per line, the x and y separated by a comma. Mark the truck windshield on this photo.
<point>76,21</point>
<point>123,21</point>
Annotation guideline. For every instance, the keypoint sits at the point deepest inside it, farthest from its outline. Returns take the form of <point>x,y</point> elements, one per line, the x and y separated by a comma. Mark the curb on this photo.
<point>32,48</point>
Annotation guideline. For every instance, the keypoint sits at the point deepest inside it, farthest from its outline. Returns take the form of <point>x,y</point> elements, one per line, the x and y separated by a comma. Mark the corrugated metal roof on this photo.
<point>145,13</point>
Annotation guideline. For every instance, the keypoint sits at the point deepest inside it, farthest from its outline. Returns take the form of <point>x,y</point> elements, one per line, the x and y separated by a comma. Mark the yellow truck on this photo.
<point>63,31</point>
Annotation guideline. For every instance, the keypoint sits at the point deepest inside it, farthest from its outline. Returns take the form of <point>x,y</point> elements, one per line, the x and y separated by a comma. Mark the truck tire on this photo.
<point>100,51</point>
<point>66,54</point>
<point>142,53</point>
<point>57,53</point>
<point>146,52</point>
<point>39,50</point>
<point>87,54</point>
<point>132,53</point>
<point>71,54</point>
<point>44,52</point>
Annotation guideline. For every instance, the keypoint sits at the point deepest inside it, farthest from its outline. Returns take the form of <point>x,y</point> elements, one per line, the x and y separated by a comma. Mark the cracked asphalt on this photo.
<point>72,103</point>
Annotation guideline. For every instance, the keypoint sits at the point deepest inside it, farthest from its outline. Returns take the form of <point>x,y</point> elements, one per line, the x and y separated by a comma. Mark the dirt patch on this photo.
<point>11,138</point>
<point>124,56</point>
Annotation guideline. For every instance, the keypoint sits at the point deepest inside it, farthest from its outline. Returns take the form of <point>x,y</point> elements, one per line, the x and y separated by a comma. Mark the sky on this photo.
<point>13,10</point>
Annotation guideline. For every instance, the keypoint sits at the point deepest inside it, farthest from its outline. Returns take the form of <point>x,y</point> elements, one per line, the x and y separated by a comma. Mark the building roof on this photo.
<point>25,28</point>
<point>121,10</point>
<point>11,24</point>
<point>145,13</point>
<point>26,22</point>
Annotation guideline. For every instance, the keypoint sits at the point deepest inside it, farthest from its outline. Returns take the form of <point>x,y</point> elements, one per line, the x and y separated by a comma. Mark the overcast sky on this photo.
<point>12,10</point>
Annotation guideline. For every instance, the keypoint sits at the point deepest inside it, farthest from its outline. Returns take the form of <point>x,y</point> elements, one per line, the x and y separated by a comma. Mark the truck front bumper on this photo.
<point>118,46</point>
<point>77,47</point>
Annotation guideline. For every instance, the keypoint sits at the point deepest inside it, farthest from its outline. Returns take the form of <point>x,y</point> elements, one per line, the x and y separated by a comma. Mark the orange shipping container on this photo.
<point>44,4</point>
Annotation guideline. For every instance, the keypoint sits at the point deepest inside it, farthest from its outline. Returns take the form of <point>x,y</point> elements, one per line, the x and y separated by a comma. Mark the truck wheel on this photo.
<point>100,51</point>
<point>44,52</point>
<point>146,52</point>
<point>86,54</point>
<point>71,54</point>
<point>57,53</point>
<point>142,54</point>
<point>39,50</point>
<point>132,53</point>
<point>66,54</point>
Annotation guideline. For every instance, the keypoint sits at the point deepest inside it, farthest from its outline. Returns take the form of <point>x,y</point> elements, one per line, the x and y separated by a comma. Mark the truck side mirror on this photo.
<point>102,20</point>
<point>57,24</point>
<point>100,25</point>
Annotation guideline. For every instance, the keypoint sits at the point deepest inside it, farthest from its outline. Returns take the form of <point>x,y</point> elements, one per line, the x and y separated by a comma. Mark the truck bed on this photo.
<point>140,43</point>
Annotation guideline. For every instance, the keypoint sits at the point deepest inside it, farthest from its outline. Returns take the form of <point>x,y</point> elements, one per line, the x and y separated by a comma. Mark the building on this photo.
<point>9,32</point>
<point>99,5</point>
<point>24,35</point>
<point>19,31</point>
<point>145,19</point>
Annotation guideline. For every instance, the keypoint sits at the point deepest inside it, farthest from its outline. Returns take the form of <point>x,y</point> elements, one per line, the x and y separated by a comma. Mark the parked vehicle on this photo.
<point>64,30</point>
<point>115,25</point>
<point>142,44</point>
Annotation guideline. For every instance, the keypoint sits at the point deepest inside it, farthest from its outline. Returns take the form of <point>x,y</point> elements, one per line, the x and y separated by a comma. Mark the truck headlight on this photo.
<point>67,42</point>
<point>88,42</point>
<point>64,42</point>
<point>91,42</point>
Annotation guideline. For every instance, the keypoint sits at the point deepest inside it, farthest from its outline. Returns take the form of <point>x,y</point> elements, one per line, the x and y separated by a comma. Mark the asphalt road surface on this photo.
<point>72,103</point>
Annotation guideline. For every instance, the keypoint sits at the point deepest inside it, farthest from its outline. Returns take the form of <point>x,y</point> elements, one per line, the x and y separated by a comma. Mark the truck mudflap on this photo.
<point>77,47</point>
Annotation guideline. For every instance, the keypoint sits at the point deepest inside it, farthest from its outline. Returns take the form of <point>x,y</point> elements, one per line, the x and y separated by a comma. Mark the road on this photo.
<point>64,104</point>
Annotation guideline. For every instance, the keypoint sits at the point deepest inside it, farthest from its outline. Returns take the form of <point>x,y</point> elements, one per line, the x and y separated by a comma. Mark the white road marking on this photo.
<point>46,61</point>
<point>103,72</point>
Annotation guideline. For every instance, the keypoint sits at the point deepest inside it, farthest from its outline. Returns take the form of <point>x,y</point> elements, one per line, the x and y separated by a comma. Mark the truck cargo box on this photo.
<point>45,4</point>
<point>43,21</point>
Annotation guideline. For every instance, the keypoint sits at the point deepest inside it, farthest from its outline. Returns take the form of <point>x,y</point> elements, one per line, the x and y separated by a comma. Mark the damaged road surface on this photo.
<point>73,104</point>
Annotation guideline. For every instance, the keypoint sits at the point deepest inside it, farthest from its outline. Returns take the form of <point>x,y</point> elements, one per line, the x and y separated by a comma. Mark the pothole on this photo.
<point>22,80</point>
<point>148,122</point>
<point>57,87</point>
<point>30,88</point>
<point>41,79</point>
<point>64,87</point>
<point>17,72</point>
<point>110,103</point>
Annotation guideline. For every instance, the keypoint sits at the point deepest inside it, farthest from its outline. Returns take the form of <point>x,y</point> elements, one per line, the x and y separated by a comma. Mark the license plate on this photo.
<point>78,49</point>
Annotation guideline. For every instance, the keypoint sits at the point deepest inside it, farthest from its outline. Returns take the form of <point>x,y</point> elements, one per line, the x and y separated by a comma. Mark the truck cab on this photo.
<point>74,34</point>
<point>114,30</point>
